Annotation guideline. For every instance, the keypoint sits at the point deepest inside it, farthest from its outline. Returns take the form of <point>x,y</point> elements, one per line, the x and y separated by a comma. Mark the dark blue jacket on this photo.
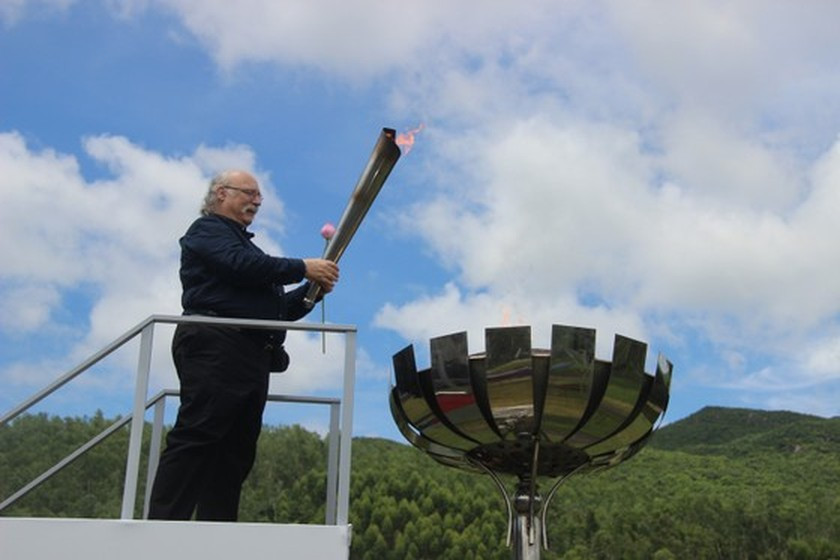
<point>223,273</point>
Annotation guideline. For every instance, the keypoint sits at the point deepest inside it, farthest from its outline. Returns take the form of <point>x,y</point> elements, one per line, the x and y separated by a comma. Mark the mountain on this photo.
<point>736,431</point>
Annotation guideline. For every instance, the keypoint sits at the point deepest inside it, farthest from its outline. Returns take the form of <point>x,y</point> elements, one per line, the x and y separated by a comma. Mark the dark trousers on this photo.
<point>211,449</point>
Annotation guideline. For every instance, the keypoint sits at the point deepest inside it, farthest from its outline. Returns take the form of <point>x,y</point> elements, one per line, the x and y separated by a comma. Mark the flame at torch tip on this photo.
<point>405,140</point>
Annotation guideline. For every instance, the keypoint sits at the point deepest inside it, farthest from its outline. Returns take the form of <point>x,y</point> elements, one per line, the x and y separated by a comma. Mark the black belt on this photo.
<point>260,336</point>
<point>207,312</point>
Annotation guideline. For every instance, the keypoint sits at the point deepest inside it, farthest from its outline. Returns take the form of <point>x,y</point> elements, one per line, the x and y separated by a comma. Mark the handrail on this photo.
<point>79,451</point>
<point>166,319</point>
<point>338,476</point>
<point>70,375</point>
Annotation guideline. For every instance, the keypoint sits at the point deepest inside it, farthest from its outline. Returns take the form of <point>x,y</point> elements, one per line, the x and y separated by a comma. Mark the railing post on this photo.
<point>154,451</point>
<point>132,466</point>
<point>332,463</point>
<point>346,429</point>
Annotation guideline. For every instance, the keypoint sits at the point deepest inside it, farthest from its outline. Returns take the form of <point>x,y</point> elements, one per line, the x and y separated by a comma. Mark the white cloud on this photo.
<point>117,235</point>
<point>114,233</point>
<point>470,61</point>
<point>349,39</point>
<point>822,360</point>
<point>702,204</point>
<point>552,214</point>
<point>640,167</point>
<point>318,366</point>
<point>733,56</point>
<point>820,403</point>
<point>26,307</point>
<point>726,169</point>
<point>311,369</point>
<point>452,311</point>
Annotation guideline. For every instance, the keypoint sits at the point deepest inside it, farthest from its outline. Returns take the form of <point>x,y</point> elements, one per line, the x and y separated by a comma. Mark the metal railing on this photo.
<point>341,413</point>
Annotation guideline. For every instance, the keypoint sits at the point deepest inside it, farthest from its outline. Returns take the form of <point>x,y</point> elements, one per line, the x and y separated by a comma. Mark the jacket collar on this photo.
<point>233,223</point>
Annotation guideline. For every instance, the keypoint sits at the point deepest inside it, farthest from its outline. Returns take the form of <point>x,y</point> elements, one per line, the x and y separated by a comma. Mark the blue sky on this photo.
<point>666,172</point>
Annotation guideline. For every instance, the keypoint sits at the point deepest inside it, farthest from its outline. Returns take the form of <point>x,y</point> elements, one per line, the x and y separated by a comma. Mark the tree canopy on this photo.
<point>723,483</point>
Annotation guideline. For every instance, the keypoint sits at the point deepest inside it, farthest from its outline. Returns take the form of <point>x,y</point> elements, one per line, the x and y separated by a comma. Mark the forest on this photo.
<point>722,483</point>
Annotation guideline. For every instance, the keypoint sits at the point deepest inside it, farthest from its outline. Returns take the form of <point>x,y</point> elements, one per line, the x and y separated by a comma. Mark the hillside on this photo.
<point>738,431</point>
<point>723,483</point>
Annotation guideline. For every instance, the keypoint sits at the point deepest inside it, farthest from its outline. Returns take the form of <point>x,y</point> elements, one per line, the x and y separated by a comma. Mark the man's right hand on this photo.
<point>323,272</point>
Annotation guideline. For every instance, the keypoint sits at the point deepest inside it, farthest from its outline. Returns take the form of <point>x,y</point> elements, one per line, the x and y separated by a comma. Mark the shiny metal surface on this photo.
<point>569,381</point>
<point>626,380</point>
<point>442,454</point>
<point>529,412</point>
<point>497,406</point>
<point>418,405</point>
<point>380,163</point>
<point>509,380</point>
<point>652,406</point>
<point>452,387</point>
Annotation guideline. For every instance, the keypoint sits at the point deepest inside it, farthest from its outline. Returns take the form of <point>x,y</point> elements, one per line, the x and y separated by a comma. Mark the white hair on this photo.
<point>211,199</point>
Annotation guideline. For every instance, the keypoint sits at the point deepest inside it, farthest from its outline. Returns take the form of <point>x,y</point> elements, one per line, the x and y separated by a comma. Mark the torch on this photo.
<point>385,154</point>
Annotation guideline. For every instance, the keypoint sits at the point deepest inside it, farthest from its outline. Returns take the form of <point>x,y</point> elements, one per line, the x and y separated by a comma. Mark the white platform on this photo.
<point>94,539</point>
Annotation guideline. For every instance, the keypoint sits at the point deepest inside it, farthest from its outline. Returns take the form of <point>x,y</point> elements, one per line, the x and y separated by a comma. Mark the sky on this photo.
<point>664,171</point>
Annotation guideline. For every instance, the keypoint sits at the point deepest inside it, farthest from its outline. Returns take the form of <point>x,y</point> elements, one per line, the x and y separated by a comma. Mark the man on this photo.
<point>224,371</point>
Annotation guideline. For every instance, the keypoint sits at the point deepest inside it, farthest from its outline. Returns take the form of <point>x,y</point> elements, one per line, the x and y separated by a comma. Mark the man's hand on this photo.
<point>323,272</point>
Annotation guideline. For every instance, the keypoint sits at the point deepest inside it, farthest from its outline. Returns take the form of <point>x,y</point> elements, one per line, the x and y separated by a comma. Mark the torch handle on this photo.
<point>382,160</point>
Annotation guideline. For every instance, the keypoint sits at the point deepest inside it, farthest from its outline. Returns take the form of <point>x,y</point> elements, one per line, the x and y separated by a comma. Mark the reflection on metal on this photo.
<point>529,412</point>
<point>382,159</point>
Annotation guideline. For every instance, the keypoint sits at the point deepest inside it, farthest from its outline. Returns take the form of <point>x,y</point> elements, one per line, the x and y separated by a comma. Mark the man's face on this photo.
<point>240,198</point>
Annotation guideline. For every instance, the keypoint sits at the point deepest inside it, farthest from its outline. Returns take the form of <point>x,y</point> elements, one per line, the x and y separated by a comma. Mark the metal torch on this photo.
<point>385,154</point>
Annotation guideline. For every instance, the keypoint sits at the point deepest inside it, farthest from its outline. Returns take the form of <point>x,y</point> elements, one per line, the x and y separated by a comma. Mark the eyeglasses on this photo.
<point>250,193</point>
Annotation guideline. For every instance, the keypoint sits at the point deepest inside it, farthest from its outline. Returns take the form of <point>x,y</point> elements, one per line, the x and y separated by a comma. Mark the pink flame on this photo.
<point>405,140</point>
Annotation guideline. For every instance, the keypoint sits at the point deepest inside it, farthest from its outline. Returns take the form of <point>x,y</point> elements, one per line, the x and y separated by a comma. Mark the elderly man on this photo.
<point>224,371</point>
